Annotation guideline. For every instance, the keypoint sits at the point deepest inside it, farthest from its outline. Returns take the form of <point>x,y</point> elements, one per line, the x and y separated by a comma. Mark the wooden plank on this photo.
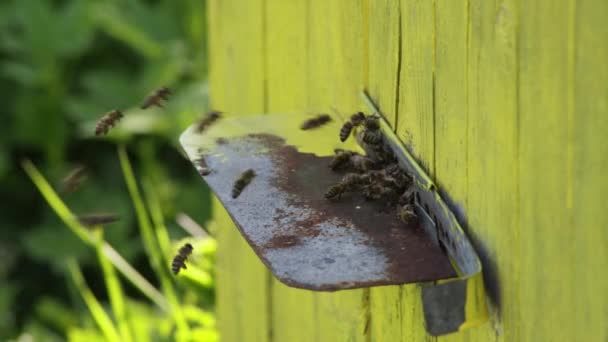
<point>479,170</point>
<point>548,238</point>
<point>287,63</point>
<point>337,59</point>
<point>293,310</point>
<point>415,125</point>
<point>236,54</point>
<point>384,73</point>
<point>588,159</point>
<point>237,83</point>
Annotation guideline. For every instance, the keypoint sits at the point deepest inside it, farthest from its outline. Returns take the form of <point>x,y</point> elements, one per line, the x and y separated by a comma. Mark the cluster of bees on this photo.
<point>377,177</point>
<point>77,176</point>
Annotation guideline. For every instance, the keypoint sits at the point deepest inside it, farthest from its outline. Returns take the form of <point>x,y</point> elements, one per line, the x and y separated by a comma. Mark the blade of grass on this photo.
<point>157,218</point>
<point>165,243</point>
<point>100,317</point>
<point>115,291</point>
<point>151,245</point>
<point>71,221</point>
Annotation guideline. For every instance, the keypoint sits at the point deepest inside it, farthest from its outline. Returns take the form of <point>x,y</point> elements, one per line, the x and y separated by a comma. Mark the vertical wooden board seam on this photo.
<point>399,54</point>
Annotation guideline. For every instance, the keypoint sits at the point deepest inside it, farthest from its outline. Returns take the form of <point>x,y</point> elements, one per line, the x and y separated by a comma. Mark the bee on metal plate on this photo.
<point>315,122</point>
<point>208,120</point>
<point>361,163</point>
<point>406,213</point>
<point>355,120</point>
<point>96,219</point>
<point>341,160</point>
<point>350,182</point>
<point>107,121</point>
<point>156,98</point>
<point>72,181</point>
<point>202,167</point>
<point>179,261</point>
<point>242,182</point>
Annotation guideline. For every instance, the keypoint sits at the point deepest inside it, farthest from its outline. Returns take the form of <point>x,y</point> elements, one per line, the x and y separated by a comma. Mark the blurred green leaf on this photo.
<point>55,313</point>
<point>119,24</point>
<point>8,291</point>
<point>51,242</point>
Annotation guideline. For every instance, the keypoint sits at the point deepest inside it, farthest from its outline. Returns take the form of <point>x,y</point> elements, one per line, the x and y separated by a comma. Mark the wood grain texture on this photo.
<point>504,102</point>
<point>385,50</point>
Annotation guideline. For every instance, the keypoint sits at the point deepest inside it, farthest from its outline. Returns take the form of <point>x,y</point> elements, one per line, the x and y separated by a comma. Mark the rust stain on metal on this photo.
<point>308,241</point>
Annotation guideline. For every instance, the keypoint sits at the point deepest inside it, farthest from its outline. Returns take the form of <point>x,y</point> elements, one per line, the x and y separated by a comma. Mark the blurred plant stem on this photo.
<point>71,221</point>
<point>152,243</point>
<point>99,315</point>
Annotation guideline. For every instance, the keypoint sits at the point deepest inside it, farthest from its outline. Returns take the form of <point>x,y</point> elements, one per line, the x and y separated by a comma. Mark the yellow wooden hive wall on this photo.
<point>506,105</point>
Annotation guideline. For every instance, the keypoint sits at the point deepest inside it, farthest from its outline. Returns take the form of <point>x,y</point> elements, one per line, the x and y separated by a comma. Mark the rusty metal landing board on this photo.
<point>304,239</point>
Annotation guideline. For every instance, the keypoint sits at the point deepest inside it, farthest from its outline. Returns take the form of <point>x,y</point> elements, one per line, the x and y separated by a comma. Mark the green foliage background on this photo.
<point>62,65</point>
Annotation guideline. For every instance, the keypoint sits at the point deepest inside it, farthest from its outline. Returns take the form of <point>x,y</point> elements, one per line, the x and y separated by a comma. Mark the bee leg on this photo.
<point>184,266</point>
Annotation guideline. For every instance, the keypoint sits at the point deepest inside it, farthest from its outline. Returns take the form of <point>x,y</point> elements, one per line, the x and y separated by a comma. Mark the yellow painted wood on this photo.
<point>384,28</point>
<point>340,72</point>
<point>415,125</point>
<point>506,105</point>
<point>588,155</point>
<point>293,310</point>
<point>236,45</point>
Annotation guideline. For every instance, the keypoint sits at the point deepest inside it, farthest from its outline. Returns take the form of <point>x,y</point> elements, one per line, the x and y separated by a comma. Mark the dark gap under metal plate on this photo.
<point>305,240</point>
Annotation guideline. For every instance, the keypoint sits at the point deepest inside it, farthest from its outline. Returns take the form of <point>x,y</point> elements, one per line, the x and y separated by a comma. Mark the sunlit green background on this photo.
<point>63,64</point>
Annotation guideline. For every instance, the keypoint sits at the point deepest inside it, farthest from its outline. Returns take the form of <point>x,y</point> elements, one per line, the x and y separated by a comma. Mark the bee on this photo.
<point>201,166</point>
<point>355,120</point>
<point>179,261</point>
<point>242,182</point>
<point>72,181</point>
<point>342,159</point>
<point>108,121</point>
<point>361,163</point>
<point>156,98</point>
<point>408,196</point>
<point>350,182</point>
<point>406,213</point>
<point>315,122</point>
<point>96,219</point>
<point>372,137</point>
<point>372,122</point>
<point>206,121</point>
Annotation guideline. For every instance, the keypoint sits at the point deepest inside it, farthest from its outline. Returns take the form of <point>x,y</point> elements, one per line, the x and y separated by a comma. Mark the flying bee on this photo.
<point>355,120</point>
<point>315,122</point>
<point>350,182</point>
<point>96,219</point>
<point>107,121</point>
<point>242,182</point>
<point>156,98</point>
<point>72,181</point>
<point>406,213</point>
<point>208,120</point>
<point>179,261</point>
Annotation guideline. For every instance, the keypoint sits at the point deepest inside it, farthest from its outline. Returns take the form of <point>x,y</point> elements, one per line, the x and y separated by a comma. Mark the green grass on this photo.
<point>125,324</point>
